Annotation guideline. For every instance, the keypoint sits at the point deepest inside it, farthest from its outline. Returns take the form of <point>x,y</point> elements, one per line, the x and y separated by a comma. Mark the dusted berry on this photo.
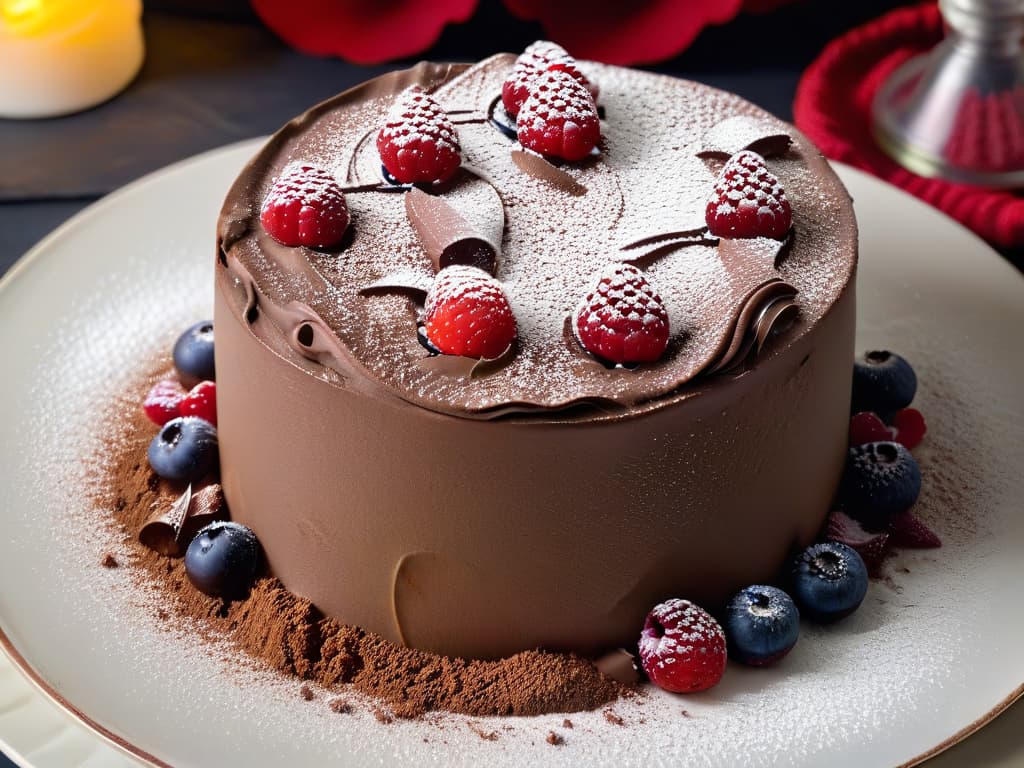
<point>867,427</point>
<point>883,382</point>
<point>418,143</point>
<point>761,625</point>
<point>830,581</point>
<point>538,58</point>
<point>880,480</point>
<point>466,313</point>
<point>682,647</point>
<point>201,401</point>
<point>193,354</point>
<point>622,320</point>
<point>222,559</point>
<point>163,401</point>
<point>748,201</point>
<point>305,207</point>
<point>184,449</point>
<point>559,119</point>
<point>909,427</point>
<point>871,546</point>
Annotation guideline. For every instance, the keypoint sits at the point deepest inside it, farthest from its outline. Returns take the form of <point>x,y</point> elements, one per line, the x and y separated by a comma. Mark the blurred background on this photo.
<point>218,72</point>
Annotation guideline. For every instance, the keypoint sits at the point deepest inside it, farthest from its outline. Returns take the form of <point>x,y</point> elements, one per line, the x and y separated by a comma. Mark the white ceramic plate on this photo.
<point>932,655</point>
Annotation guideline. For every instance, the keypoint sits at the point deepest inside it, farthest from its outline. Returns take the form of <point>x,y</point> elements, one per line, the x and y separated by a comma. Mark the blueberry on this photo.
<point>184,449</point>
<point>222,559</point>
<point>883,382</point>
<point>761,624</point>
<point>880,480</point>
<point>193,354</point>
<point>829,581</point>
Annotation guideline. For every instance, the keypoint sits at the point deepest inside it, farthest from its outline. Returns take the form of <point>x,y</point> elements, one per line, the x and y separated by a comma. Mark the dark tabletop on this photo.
<point>212,78</point>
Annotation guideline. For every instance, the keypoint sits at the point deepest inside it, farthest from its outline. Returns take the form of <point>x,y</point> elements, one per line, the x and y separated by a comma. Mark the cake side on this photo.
<point>547,500</point>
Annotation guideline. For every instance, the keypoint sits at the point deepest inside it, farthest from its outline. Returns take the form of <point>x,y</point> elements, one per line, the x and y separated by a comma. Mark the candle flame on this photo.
<point>15,11</point>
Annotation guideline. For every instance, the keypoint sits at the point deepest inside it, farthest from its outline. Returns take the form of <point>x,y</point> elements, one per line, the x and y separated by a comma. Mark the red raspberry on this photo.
<point>201,401</point>
<point>467,314</point>
<point>682,647</point>
<point>559,118</point>
<point>748,200</point>
<point>538,58</point>
<point>418,143</point>
<point>305,207</point>
<point>163,401</point>
<point>622,320</point>
<point>867,427</point>
<point>909,426</point>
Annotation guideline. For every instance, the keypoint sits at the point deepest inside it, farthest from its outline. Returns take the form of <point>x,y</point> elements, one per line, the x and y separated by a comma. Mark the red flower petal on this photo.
<point>615,32</point>
<point>366,33</point>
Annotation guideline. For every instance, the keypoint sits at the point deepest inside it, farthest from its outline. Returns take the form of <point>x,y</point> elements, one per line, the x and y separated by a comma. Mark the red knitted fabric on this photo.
<point>833,107</point>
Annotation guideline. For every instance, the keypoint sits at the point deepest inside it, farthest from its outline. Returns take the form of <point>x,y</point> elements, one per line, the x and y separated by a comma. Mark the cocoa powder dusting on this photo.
<point>292,636</point>
<point>613,718</point>
<point>340,706</point>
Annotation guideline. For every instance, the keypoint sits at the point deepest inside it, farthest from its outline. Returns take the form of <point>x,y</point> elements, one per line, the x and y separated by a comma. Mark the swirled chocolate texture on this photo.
<point>543,499</point>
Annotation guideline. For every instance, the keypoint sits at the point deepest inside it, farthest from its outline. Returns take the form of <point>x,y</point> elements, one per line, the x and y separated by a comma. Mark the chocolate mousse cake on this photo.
<point>545,487</point>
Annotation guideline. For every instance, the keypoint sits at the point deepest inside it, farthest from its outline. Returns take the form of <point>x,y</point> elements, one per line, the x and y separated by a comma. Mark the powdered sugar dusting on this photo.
<point>891,681</point>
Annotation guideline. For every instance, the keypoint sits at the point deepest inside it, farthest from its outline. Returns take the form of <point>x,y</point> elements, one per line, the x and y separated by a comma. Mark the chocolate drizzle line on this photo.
<point>739,132</point>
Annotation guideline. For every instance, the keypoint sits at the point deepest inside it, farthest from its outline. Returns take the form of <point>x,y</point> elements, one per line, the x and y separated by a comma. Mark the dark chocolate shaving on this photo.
<point>535,165</point>
<point>739,132</point>
<point>170,531</point>
<point>448,237</point>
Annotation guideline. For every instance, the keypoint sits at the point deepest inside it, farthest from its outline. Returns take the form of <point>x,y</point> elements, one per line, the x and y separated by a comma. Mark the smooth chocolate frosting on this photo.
<point>482,507</point>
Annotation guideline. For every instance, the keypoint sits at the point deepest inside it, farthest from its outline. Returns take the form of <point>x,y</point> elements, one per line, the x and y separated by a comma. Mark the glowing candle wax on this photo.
<point>61,56</point>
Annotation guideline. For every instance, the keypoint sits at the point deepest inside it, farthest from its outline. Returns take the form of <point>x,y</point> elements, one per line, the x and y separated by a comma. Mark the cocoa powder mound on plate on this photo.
<point>291,635</point>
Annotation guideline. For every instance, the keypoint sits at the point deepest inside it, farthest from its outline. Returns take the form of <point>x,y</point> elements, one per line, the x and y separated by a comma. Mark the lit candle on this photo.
<point>61,56</point>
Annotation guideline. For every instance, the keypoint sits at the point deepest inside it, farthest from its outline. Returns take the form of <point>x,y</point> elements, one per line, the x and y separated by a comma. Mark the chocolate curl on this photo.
<point>761,309</point>
<point>170,531</point>
<point>739,132</point>
<point>539,168</point>
<point>448,237</point>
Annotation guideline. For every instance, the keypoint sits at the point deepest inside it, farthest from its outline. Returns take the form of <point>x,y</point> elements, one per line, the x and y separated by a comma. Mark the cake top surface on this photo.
<point>349,314</point>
